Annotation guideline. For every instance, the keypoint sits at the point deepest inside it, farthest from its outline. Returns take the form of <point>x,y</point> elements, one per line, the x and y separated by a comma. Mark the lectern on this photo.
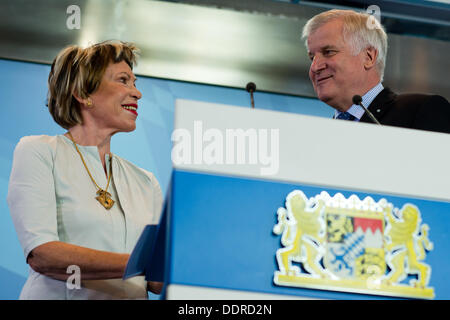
<point>268,205</point>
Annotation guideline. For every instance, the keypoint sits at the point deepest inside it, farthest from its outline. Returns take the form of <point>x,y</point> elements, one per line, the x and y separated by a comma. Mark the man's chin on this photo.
<point>331,101</point>
<point>324,97</point>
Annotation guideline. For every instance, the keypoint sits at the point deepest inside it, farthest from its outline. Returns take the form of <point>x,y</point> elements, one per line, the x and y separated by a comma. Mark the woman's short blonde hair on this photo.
<point>358,31</point>
<point>79,71</point>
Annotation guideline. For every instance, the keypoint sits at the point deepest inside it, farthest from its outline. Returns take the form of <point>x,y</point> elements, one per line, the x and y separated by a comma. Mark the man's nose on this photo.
<point>317,64</point>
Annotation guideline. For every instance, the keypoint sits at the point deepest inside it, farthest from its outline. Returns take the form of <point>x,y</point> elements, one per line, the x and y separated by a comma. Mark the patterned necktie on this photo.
<point>345,116</point>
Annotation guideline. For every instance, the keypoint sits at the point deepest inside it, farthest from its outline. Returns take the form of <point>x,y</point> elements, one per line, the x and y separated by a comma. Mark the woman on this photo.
<point>73,202</point>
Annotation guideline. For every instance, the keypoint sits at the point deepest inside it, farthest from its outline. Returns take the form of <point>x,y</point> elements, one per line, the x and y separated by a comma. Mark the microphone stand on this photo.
<point>358,100</point>
<point>251,87</point>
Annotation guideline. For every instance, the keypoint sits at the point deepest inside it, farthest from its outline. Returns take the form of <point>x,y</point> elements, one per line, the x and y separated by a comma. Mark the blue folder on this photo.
<point>148,255</point>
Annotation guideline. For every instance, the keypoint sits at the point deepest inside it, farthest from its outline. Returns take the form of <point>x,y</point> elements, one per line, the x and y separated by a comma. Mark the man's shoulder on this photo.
<point>413,110</point>
<point>413,99</point>
<point>418,98</point>
<point>388,101</point>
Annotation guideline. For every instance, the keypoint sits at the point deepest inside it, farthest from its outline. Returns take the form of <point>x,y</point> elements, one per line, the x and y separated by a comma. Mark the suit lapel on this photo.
<point>380,105</point>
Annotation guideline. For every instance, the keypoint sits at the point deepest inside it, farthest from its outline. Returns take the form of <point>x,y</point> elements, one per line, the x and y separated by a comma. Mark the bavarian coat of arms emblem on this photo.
<point>352,245</point>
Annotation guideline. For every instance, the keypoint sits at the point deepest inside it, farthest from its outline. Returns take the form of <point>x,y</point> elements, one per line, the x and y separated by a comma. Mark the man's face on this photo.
<point>335,72</point>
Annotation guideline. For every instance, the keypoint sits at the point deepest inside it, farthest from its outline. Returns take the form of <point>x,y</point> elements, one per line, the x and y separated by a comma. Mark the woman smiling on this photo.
<point>73,202</point>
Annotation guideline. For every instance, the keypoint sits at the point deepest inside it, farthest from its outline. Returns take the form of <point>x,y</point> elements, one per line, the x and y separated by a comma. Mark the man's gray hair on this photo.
<point>360,30</point>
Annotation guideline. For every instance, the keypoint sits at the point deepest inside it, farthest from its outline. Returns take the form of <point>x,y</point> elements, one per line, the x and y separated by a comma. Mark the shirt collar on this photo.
<point>356,110</point>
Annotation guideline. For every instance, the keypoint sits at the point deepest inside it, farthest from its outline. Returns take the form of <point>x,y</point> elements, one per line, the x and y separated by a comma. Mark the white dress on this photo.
<point>52,198</point>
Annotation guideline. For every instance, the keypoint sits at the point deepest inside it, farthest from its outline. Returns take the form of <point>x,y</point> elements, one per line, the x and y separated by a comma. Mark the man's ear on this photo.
<point>370,57</point>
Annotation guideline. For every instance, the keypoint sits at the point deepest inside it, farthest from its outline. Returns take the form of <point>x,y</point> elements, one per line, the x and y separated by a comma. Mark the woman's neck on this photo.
<point>85,136</point>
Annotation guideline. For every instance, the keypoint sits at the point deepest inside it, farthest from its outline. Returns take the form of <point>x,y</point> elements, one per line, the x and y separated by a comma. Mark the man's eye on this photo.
<point>123,79</point>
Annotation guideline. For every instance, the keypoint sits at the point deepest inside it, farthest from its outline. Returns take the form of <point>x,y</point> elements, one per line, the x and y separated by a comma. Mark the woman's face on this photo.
<point>115,100</point>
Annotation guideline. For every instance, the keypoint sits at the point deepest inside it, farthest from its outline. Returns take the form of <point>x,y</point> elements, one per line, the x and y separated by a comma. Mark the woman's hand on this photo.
<point>155,286</point>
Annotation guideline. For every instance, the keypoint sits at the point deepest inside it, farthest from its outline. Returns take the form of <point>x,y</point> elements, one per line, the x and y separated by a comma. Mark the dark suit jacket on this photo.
<point>415,111</point>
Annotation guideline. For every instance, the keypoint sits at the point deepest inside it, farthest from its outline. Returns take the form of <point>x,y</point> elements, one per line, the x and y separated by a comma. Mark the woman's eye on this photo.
<point>123,80</point>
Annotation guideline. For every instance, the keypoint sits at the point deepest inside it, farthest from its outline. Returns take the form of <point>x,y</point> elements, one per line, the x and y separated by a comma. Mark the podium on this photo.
<point>272,205</point>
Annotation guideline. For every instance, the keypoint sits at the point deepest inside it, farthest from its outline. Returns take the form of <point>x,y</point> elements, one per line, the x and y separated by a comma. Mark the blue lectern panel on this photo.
<point>222,234</point>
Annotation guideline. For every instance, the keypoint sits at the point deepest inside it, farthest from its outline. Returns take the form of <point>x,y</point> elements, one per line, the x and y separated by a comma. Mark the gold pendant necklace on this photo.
<point>103,196</point>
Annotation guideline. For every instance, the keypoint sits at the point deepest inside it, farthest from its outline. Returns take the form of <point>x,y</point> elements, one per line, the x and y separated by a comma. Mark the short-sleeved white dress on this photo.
<point>52,198</point>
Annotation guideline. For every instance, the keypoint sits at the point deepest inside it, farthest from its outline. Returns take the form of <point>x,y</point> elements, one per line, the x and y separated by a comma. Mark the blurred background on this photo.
<point>205,50</point>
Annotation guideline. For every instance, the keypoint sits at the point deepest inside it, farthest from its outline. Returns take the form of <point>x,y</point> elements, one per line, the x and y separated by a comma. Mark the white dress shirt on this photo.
<point>356,110</point>
<point>52,198</point>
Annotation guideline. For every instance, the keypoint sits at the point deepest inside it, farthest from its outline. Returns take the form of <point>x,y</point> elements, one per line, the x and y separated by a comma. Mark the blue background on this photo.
<point>23,90</point>
<point>225,240</point>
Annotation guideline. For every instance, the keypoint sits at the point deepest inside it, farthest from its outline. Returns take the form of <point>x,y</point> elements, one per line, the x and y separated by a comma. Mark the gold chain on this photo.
<point>103,196</point>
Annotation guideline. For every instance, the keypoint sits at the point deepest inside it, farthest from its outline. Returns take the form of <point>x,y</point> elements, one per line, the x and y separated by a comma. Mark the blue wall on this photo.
<point>23,90</point>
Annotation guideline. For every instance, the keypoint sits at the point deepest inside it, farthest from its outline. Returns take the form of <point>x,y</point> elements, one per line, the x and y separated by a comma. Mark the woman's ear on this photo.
<point>87,102</point>
<point>371,56</point>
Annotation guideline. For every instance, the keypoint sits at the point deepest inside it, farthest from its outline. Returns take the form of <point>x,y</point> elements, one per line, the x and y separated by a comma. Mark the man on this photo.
<point>348,55</point>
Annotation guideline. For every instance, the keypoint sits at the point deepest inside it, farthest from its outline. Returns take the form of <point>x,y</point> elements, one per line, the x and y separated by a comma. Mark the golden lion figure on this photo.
<point>406,248</point>
<point>302,234</point>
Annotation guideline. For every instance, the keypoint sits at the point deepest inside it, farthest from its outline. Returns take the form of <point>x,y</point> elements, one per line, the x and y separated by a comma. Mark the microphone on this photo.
<point>251,87</point>
<point>358,100</point>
